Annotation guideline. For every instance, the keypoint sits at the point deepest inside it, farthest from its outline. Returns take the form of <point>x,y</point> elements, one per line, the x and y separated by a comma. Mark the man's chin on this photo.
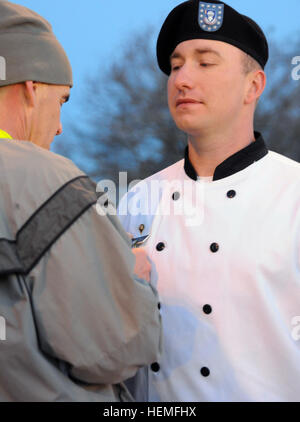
<point>190,128</point>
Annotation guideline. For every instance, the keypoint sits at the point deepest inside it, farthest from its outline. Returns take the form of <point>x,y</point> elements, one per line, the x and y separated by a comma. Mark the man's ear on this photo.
<point>30,88</point>
<point>257,83</point>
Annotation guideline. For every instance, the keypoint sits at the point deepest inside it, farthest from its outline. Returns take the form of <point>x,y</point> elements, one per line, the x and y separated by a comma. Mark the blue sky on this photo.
<point>93,31</point>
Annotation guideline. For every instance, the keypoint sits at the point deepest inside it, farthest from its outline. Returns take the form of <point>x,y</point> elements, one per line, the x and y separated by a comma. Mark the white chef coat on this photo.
<point>229,285</point>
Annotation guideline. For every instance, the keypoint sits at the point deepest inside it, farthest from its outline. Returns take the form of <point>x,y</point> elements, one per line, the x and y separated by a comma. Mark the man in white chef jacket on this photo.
<point>224,223</point>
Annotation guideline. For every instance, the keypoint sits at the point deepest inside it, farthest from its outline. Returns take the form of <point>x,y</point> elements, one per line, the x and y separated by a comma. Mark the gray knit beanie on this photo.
<point>29,48</point>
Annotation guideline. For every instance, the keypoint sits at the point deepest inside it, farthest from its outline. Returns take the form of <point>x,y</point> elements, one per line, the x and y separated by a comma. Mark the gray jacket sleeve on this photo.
<point>92,317</point>
<point>91,312</point>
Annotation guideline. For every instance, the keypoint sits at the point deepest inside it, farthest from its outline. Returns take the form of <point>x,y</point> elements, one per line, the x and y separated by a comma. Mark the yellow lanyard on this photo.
<point>4,135</point>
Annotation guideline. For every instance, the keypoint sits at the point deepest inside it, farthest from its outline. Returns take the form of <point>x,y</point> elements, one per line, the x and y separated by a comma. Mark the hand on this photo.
<point>142,265</point>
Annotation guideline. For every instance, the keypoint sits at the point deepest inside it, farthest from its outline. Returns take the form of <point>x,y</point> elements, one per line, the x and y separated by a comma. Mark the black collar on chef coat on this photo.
<point>236,162</point>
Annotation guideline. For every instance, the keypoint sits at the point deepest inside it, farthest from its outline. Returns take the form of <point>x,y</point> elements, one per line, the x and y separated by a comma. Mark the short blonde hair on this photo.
<point>249,64</point>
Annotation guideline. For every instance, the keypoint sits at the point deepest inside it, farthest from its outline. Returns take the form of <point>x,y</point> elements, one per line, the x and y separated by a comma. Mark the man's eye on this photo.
<point>175,67</point>
<point>206,64</point>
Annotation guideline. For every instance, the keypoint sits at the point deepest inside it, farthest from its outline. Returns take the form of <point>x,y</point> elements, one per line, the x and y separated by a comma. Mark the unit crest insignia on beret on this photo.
<point>210,16</point>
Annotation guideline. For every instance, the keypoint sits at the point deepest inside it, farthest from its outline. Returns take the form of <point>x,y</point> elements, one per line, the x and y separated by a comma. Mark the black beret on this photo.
<point>212,20</point>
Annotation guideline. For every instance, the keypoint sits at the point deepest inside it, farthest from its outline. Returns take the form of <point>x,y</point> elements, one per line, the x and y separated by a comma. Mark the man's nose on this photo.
<point>59,130</point>
<point>183,78</point>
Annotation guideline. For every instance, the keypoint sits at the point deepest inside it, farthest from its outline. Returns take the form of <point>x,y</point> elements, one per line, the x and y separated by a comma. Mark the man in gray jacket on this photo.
<point>74,319</point>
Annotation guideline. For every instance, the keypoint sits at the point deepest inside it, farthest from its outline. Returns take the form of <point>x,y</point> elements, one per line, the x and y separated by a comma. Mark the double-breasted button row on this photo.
<point>207,309</point>
<point>204,371</point>
<point>230,194</point>
<point>214,247</point>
